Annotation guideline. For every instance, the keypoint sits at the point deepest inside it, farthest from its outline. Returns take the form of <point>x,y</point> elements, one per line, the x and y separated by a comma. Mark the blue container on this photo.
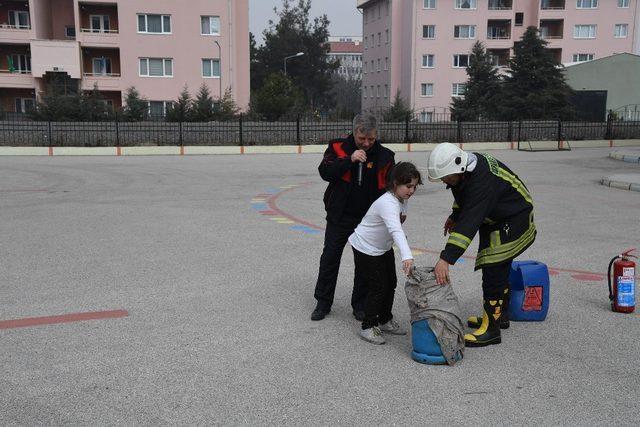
<point>425,345</point>
<point>529,284</point>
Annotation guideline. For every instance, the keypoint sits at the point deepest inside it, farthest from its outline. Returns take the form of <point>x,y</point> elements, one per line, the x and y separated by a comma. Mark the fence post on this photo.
<point>117,130</point>
<point>459,133</point>
<point>559,131</point>
<point>50,133</point>
<point>180,136</point>
<point>241,138</point>
<point>510,132</point>
<point>609,131</point>
<point>519,132</point>
<point>406,129</point>
<point>298,129</point>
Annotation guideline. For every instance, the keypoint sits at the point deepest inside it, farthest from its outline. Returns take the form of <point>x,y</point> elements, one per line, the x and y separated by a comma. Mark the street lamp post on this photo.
<point>219,67</point>
<point>289,57</point>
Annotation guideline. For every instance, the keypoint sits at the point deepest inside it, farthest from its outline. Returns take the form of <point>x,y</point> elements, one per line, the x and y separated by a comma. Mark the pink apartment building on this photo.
<point>157,46</point>
<point>421,47</point>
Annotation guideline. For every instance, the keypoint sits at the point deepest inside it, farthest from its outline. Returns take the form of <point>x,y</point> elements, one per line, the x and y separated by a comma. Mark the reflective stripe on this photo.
<point>455,205</point>
<point>459,240</point>
<point>494,239</point>
<point>492,255</point>
<point>516,184</point>
<point>488,221</point>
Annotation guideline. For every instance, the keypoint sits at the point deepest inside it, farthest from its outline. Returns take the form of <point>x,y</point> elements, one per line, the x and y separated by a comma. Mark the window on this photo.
<point>584,32</point>
<point>100,24</point>
<point>426,89</point>
<point>379,39</point>
<point>457,89</point>
<point>428,31</point>
<point>428,61</point>
<point>582,57</point>
<point>429,4</point>
<point>621,31</point>
<point>366,39</point>
<point>158,108</point>
<point>623,3</point>
<point>154,24</point>
<point>19,19</point>
<point>20,63</point>
<point>519,19</point>
<point>364,91</point>
<point>70,32</point>
<point>426,116</point>
<point>210,25</point>
<point>211,68</point>
<point>464,31</point>
<point>460,61</point>
<point>586,4</point>
<point>499,5</point>
<point>378,69</point>
<point>101,66</point>
<point>24,105</point>
<point>386,91</point>
<point>156,67</point>
<point>386,63</point>
<point>466,4</point>
<point>386,35</point>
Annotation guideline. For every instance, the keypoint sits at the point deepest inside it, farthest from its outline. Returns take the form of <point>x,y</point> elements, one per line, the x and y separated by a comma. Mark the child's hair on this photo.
<point>402,173</point>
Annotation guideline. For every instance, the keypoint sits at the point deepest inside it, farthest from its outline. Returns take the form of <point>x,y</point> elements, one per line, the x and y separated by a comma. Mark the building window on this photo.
<point>457,89</point>
<point>210,25</point>
<point>378,65</point>
<point>19,63</point>
<point>429,4</point>
<point>428,61</point>
<point>158,108</point>
<point>364,91</point>
<point>426,89</point>
<point>466,4</point>
<point>428,31</point>
<point>379,38</point>
<point>156,67</point>
<point>70,32</point>
<point>519,19</point>
<point>366,39</point>
<point>101,66</point>
<point>19,19</point>
<point>386,91</point>
<point>582,57</point>
<point>586,4</point>
<point>426,117</point>
<point>386,34</point>
<point>460,61</point>
<point>623,3</point>
<point>584,32</point>
<point>154,24</point>
<point>464,31</point>
<point>24,105</point>
<point>386,63</point>
<point>100,24</point>
<point>621,31</point>
<point>211,68</point>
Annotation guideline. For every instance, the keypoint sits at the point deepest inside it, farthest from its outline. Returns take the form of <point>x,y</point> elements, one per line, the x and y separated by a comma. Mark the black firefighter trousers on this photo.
<point>335,239</point>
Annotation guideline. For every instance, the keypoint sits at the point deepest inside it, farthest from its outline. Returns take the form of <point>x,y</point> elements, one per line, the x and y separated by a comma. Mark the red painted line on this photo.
<point>610,143</point>
<point>65,318</point>
<point>512,145</point>
<point>51,151</point>
<point>242,149</point>
<point>118,151</point>
<point>182,150</point>
<point>299,149</point>
<point>408,147</point>
<point>271,202</point>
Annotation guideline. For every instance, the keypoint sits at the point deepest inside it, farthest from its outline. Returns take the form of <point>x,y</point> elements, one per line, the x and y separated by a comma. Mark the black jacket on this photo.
<point>489,195</point>
<point>337,169</point>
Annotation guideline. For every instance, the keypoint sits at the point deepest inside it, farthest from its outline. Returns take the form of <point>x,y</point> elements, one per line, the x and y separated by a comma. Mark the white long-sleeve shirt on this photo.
<point>381,227</point>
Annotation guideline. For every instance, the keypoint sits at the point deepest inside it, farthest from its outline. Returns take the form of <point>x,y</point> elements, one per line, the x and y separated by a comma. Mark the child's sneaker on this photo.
<point>392,327</point>
<point>373,335</point>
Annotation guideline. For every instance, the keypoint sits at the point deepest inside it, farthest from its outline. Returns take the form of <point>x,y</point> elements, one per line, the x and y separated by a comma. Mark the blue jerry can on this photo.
<point>425,345</point>
<point>529,284</point>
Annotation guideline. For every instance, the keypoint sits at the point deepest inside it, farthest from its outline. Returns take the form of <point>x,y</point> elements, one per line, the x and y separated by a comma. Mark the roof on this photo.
<point>345,47</point>
<point>604,58</point>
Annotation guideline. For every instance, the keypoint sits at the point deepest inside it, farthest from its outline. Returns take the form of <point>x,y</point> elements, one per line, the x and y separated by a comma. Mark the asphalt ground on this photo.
<point>218,296</point>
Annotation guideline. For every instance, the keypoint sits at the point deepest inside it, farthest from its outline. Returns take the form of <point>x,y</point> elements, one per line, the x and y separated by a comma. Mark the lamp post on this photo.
<point>289,57</point>
<point>220,68</point>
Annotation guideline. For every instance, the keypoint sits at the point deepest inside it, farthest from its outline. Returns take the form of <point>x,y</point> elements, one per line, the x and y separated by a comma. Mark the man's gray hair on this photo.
<point>365,123</point>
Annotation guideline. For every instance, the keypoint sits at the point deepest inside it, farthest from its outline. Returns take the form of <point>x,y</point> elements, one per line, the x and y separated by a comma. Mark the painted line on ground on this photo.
<point>301,225</point>
<point>64,318</point>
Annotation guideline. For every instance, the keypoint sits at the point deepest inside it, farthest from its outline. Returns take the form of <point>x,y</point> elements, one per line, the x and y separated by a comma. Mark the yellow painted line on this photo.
<point>286,222</point>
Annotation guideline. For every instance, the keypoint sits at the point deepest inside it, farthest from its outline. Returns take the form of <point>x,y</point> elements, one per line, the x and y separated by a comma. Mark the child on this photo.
<point>372,243</point>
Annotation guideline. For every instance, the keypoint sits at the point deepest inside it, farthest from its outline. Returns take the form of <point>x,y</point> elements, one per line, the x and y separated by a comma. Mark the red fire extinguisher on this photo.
<point>622,291</point>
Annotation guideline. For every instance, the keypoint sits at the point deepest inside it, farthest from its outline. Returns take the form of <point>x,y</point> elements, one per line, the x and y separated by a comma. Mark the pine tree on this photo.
<point>399,110</point>
<point>277,97</point>
<point>226,108</point>
<point>180,110</point>
<point>136,107</point>
<point>535,87</point>
<point>482,89</point>
<point>202,108</point>
<point>93,106</point>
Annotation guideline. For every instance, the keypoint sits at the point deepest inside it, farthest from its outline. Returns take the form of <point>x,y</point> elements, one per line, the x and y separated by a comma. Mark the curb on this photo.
<point>620,185</point>
<point>625,157</point>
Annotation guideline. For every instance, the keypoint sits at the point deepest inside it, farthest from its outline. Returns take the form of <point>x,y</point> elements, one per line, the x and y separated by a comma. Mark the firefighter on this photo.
<point>490,199</point>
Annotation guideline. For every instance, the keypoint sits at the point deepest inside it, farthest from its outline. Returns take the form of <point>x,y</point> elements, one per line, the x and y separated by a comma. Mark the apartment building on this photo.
<point>156,46</point>
<point>421,47</point>
<point>348,50</point>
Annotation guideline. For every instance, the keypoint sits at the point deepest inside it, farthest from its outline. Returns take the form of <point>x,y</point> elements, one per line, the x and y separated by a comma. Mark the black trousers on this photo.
<point>495,279</point>
<point>379,273</point>
<point>335,239</point>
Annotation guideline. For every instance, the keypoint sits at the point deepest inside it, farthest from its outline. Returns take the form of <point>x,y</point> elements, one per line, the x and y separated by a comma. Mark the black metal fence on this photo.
<point>19,130</point>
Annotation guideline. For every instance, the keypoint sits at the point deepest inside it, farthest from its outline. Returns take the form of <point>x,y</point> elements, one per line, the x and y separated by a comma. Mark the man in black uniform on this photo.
<point>355,168</point>
<point>491,199</point>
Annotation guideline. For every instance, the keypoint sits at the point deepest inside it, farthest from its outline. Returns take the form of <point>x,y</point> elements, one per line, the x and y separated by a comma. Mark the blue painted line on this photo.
<point>460,260</point>
<point>273,190</point>
<point>299,227</point>
<point>259,206</point>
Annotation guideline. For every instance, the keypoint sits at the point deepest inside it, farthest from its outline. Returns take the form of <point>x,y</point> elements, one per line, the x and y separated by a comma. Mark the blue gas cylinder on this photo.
<point>529,284</point>
<point>425,345</point>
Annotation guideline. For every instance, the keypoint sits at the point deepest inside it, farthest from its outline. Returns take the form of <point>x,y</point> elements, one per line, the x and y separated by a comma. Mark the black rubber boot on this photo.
<point>476,321</point>
<point>489,331</point>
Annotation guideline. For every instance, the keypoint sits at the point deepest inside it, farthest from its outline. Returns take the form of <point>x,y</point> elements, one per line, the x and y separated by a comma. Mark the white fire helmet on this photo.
<point>446,159</point>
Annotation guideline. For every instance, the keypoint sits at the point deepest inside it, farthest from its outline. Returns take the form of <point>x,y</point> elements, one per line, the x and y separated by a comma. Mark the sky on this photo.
<point>345,19</point>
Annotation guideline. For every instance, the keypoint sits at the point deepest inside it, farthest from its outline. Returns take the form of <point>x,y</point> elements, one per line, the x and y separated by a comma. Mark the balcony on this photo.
<point>552,4</point>
<point>100,67</point>
<point>499,29</point>
<point>15,66</point>
<point>500,4</point>
<point>499,57</point>
<point>99,24</point>
<point>551,29</point>
<point>15,21</point>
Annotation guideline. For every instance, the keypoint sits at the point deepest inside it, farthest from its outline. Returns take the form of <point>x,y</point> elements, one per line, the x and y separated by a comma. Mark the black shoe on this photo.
<point>359,315</point>
<point>319,313</point>
<point>489,331</point>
